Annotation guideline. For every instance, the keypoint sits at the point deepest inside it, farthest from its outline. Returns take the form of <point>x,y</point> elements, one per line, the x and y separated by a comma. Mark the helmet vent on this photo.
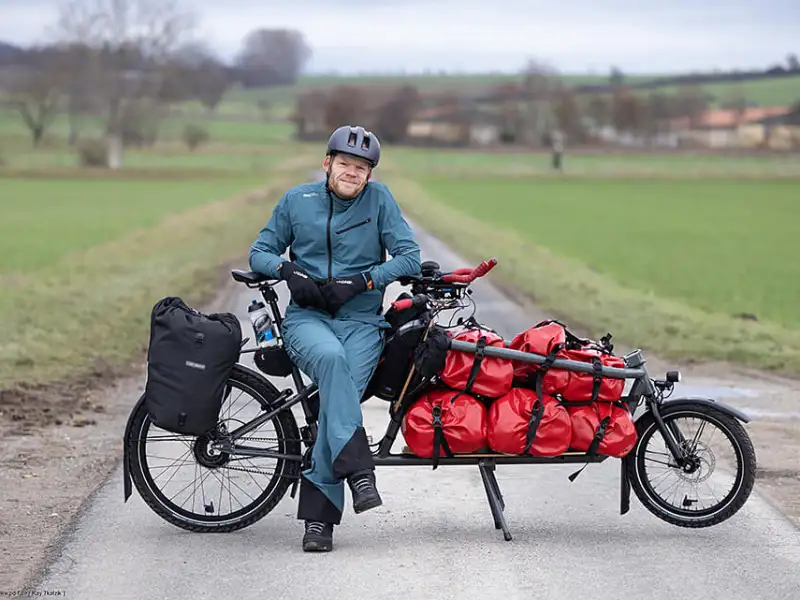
<point>351,140</point>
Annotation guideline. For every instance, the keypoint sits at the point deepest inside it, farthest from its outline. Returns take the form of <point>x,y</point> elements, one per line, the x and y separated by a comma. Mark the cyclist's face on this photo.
<point>347,175</point>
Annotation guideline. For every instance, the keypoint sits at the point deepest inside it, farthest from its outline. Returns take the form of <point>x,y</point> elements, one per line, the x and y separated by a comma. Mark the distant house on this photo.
<point>454,126</point>
<point>728,128</point>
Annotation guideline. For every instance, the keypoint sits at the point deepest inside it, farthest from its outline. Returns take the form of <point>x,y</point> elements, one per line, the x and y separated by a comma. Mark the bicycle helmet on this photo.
<point>355,141</point>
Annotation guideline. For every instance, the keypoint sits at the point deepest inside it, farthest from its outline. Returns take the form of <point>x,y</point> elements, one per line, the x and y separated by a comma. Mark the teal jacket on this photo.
<point>330,237</point>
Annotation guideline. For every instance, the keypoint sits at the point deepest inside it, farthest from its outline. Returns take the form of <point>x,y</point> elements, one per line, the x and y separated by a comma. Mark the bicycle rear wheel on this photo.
<point>717,478</point>
<point>194,487</point>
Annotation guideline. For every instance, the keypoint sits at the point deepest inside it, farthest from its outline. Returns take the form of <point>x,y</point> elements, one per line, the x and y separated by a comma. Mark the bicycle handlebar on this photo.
<point>460,277</point>
<point>465,275</point>
<point>406,303</point>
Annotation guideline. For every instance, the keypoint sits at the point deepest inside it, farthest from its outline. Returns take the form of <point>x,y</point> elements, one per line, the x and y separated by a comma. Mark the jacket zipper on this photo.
<point>330,250</point>
<point>364,222</point>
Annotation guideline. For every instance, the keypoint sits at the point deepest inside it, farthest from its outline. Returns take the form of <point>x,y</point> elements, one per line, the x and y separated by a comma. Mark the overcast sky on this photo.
<point>647,36</point>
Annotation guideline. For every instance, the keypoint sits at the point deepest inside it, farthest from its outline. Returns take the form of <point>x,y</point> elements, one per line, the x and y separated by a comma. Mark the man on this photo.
<point>338,232</point>
<point>557,148</point>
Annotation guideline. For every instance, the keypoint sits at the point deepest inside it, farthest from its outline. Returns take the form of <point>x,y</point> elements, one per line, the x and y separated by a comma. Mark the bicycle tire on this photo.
<point>745,471</point>
<point>285,471</point>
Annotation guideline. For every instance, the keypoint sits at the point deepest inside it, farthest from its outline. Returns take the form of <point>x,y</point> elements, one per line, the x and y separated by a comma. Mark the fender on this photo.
<point>126,474</point>
<point>702,401</point>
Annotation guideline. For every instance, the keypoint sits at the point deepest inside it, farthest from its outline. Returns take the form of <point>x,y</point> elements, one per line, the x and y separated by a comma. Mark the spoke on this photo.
<point>176,470</point>
<point>188,485</point>
<point>698,434</point>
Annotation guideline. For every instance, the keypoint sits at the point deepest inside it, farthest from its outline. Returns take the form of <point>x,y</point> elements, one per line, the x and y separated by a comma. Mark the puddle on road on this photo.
<point>711,391</point>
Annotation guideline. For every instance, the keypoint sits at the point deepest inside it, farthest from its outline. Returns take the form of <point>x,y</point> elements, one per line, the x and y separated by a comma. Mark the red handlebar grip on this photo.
<point>402,304</point>
<point>485,267</point>
<point>467,276</point>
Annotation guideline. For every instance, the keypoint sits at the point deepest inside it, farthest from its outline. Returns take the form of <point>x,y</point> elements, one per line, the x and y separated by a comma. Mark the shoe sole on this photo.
<point>365,506</point>
<point>317,547</point>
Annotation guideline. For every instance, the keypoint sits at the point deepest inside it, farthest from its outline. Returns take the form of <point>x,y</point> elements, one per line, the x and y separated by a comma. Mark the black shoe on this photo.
<point>318,537</point>
<point>365,494</point>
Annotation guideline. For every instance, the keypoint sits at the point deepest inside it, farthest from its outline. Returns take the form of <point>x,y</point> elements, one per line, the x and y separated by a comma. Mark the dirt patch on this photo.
<point>58,443</point>
<point>27,408</point>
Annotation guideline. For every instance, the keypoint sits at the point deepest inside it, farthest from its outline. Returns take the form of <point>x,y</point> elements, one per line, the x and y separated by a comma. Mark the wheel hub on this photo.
<point>698,465</point>
<point>206,453</point>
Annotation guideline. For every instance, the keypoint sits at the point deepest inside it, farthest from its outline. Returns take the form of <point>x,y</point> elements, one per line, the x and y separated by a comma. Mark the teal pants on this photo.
<point>340,356</point>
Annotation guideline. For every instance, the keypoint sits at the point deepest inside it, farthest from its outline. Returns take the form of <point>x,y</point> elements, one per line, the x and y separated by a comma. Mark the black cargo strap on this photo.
<point>533,424</point>
<point>537,410</point>
<point>480,352</point>
<point>439,439</point>
<point>597,365</point>
<point>599,434</point>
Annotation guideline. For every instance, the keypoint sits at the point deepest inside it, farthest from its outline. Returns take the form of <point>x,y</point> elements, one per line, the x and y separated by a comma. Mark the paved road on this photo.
<point>434,537</point>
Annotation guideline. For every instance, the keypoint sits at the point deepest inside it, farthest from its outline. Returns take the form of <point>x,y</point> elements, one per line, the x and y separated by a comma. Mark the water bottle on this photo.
<point>262,324</point>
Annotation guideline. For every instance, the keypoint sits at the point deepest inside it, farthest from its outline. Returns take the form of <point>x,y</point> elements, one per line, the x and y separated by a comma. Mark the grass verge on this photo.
<point>594,303</point>
<point>89,312</point>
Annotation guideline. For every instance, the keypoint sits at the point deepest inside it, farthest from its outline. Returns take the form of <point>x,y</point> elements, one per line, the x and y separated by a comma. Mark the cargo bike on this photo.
<point>666,458</point>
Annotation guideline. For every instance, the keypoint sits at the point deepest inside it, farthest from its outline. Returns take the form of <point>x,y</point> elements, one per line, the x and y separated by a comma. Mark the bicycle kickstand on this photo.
<point>496,503</point>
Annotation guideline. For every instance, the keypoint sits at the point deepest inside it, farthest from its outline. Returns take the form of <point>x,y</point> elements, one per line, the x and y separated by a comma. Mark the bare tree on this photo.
<point>568,116</point>
<point>692,103</point>
<point>347,104</point>
<point>131,42</point>
<point>539,86</point>
<point>38,90</point>
<point>599,110</point>
<point>395,115</point>
<point>507,95</point>
<point>272,57</point>
<point>197,73</point>
<point>628,111</point>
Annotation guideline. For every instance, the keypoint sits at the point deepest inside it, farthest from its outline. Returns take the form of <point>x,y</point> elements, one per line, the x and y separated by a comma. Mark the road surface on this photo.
<point>434,537</point>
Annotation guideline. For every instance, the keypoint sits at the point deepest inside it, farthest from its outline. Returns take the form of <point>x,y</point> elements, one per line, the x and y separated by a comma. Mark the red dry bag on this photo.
<point>520,423</point>
<point>575,386</point>
<point>476,373</point>
<point>543,338</point>
<point>444,422</point>
<point>602,428</point>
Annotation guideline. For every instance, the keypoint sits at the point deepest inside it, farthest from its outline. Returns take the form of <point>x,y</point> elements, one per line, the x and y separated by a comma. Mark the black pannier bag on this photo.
<point>189,359</point>
<point>407,329</point>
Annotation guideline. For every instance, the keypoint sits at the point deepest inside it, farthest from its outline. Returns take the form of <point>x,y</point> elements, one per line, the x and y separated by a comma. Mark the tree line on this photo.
<point>524,111</point>
<point>129,59</point>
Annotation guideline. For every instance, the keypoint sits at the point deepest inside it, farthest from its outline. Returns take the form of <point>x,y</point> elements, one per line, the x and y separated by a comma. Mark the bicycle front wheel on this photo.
<point>718,474</point>
<point>191,485</point>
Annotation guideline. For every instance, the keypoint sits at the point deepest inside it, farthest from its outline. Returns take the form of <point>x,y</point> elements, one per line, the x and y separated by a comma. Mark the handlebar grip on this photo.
<point>479,271</point>
<point>403,304</point>
<point>486,266</point>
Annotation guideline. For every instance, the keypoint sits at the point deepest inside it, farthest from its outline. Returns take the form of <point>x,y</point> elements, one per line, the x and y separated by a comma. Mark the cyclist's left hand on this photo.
<point>339,291</point>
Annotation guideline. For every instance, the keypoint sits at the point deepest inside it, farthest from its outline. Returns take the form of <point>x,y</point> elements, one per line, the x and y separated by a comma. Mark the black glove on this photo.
<point>305,292</point>
<point>338,291</point>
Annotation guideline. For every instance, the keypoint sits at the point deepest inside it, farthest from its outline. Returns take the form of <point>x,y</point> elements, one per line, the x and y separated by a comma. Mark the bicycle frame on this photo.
<point>643,387</point>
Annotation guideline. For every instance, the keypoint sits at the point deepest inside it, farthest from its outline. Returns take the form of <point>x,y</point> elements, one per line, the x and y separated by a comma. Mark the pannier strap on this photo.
<point>597,378</point>
<point>538,406</point>
<point>439,439</point>
<point>480,352</point>
<point>533,424</point>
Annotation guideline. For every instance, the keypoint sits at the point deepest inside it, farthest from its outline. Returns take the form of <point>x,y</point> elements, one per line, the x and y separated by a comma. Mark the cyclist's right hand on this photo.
<point>305,292</point>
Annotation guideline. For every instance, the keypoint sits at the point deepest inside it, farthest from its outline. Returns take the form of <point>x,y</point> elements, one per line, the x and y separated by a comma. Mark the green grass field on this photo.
<point>83,258</point>
<point>46,221</point>
<point>478,165</point>
<point>678,265</point>
<point>720,246</point>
